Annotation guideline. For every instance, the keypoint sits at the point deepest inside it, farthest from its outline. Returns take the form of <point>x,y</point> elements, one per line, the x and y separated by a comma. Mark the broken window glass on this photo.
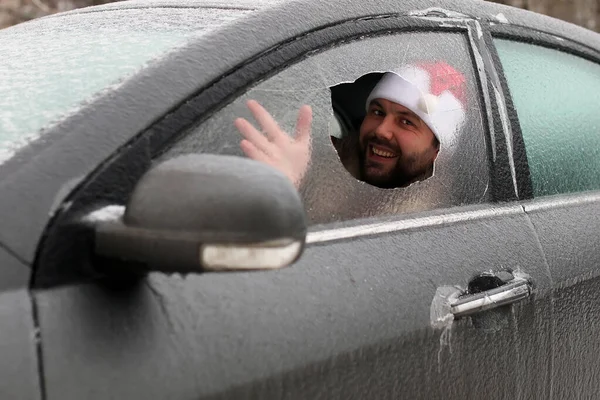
<point>330,192</point>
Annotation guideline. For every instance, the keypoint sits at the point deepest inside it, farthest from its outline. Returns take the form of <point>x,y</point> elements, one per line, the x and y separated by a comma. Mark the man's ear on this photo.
<point>437,149</point>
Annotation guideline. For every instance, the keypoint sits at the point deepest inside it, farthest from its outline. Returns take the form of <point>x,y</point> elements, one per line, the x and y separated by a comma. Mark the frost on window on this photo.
<point>557,97</point>
<point>53,65</point>
<point>336,83</point>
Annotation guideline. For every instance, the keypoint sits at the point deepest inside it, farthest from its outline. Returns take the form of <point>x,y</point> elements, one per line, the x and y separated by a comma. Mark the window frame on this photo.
<point>460,179</point>
<point>539,38</point>
<point>57,262</point>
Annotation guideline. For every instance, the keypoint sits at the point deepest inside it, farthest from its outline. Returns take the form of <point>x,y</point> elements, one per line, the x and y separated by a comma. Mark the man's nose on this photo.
<point>385,129</point>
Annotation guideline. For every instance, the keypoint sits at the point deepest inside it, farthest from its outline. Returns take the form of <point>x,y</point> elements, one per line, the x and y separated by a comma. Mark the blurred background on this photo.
<point>15,11</point>
<point>581,12</point>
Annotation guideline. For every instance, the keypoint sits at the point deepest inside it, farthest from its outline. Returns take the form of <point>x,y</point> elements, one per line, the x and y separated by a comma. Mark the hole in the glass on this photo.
<point>392,123</point>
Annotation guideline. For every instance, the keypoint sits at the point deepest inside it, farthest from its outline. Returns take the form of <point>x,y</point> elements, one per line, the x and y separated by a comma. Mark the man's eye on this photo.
<point>407,122</point>
<point>377,112</point>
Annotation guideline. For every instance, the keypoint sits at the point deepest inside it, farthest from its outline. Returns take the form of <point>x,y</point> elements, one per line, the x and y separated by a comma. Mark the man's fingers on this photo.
<point>303,124</point>
<point>253,152</point>
<point>266,121</point>
<point>251,134</point>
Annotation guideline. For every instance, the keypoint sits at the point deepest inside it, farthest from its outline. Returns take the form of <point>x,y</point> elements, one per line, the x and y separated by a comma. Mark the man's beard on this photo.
<point>408,169</point>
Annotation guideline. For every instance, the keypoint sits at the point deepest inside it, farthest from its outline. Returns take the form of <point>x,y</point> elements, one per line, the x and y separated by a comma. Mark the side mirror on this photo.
<point>205,212</point>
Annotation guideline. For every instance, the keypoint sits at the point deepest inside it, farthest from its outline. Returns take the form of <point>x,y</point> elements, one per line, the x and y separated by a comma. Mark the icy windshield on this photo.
<point>50,67</point>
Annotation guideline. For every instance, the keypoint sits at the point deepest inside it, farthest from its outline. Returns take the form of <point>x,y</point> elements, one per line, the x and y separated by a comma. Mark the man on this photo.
<point>408,114</point>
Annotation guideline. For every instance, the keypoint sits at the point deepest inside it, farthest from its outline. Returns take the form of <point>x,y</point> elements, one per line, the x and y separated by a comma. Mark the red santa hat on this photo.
<point>433,91</point>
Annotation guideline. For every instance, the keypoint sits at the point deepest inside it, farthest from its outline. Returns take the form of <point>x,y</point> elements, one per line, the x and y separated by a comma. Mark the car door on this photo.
<point>555,88</point>
<point>361,314</point>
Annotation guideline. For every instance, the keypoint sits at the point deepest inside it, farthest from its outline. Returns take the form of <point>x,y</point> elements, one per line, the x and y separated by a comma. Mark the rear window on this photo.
<point>50,67</point>
<point>557,97</point>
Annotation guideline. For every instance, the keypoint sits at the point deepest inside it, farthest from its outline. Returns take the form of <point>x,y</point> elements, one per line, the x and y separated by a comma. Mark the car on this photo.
<point>142,256</point>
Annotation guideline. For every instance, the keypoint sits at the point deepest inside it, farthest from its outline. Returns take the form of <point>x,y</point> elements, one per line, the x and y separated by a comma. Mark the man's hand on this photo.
<point>290,155</point>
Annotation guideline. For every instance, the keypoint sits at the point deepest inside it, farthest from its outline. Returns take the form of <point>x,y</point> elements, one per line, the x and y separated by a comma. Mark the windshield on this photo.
<point>50,67</point>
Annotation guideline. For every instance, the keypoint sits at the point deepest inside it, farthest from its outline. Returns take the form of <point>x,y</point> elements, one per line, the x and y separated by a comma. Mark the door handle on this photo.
<point>516,289</point>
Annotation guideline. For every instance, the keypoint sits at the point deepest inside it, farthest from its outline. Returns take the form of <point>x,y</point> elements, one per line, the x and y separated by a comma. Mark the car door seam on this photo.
<point>37,338</point>
<point>547,265</point>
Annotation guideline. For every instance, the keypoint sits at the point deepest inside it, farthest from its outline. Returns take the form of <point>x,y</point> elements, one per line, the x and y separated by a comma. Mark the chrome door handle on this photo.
<point>515,290</point>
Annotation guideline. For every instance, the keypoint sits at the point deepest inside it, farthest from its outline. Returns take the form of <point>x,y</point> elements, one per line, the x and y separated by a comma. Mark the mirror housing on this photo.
<point>205,212</point>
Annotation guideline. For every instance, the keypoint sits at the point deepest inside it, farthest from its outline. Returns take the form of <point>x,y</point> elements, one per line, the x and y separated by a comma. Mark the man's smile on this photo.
<point>380,153</point>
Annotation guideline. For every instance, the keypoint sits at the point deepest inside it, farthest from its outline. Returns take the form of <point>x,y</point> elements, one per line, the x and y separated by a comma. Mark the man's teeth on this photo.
<point>382,153</point>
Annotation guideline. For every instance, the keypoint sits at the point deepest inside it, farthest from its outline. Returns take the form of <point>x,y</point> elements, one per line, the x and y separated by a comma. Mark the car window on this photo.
<point>57,63</point>
<point>341,78</point>
<point>557,98</point>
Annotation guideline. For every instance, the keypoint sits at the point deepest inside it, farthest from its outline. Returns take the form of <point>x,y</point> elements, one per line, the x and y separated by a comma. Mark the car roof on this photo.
<point>136,4</point>
<point>317,13</point>
<point>284,13</point>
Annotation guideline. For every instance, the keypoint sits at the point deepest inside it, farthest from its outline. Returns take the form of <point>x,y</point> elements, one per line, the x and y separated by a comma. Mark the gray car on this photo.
<point>143,257</point>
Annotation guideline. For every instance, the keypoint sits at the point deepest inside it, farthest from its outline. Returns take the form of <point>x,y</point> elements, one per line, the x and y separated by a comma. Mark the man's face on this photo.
<point>396,146</point>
